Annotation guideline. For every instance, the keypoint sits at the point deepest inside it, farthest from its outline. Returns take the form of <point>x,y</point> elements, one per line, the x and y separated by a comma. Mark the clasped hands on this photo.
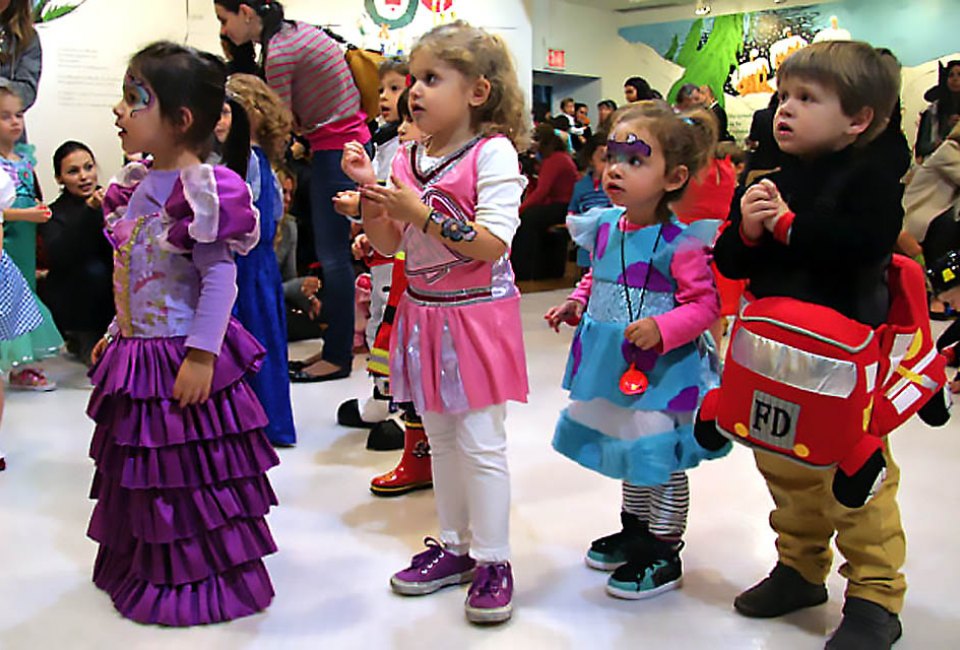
<point>399,202</point>
<point>761,207</point>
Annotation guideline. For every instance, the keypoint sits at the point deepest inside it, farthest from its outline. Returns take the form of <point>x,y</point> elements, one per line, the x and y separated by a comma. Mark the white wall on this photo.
<point>84,59</point>
<point>594,48</point>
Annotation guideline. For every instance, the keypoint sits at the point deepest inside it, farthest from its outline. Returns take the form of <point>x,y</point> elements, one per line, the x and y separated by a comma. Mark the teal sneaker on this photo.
<point>649,574</point>
<point>613,551</point>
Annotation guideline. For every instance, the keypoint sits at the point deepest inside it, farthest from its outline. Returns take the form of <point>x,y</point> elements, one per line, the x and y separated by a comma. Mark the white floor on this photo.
<point>339,544</point>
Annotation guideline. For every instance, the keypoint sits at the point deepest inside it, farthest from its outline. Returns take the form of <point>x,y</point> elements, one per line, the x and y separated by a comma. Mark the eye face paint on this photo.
<point>139,90</point>
<point>633,147</point>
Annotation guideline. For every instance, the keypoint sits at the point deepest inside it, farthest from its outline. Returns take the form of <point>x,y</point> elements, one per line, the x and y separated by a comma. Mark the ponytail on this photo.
<point>271,13</point>
<point>236,148</point>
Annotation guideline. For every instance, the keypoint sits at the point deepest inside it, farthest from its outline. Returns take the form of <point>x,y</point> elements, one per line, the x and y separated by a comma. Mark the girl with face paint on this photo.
<point>640,360</point>
<point>175,416</point>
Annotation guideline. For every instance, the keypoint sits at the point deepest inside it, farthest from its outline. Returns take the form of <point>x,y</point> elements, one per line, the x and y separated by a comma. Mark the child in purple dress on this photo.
<point>179,444</point>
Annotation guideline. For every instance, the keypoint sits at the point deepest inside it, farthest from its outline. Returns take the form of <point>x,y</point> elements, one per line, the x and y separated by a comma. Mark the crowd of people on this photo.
<point>259,199</point>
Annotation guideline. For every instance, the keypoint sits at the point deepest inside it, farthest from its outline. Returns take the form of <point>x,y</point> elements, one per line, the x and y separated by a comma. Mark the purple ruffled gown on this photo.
<point>181,493</point>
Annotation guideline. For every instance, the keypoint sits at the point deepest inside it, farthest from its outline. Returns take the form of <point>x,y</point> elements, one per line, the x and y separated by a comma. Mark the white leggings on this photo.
<point>471,481</point>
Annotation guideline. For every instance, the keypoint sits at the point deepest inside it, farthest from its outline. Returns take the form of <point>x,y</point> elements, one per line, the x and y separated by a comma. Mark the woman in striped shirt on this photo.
<point>308,70</point>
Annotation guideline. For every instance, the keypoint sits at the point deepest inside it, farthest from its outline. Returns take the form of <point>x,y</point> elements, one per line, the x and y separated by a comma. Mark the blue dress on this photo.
<point>641,439</point>
<point>260,307</point>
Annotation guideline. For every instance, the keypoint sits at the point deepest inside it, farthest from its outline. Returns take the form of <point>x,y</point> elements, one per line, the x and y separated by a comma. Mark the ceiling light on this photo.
<point>702,8</point>
<point>779,2</point>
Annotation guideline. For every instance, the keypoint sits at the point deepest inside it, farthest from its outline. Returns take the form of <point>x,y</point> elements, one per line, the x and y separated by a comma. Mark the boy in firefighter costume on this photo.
<point>814,239</point>
<point>414,471</point>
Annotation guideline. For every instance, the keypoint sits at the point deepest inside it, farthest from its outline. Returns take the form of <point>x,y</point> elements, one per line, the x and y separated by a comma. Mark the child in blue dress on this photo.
<point>639,363</point>
<point>260,306</point>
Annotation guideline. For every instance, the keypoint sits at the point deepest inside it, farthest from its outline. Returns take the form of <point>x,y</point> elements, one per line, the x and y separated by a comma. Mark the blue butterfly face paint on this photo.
<point>136,94</point>
<point>623,152</point>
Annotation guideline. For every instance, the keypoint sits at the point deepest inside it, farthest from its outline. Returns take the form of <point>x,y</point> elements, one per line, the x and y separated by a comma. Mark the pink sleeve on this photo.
<point>699,303</point>
<point>582,293</point>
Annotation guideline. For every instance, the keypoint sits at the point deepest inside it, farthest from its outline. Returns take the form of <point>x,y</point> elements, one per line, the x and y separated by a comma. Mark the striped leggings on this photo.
<point>664,507</point>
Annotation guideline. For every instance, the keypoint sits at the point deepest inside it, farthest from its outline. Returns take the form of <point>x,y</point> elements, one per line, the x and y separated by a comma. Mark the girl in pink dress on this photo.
<point>453,207</point>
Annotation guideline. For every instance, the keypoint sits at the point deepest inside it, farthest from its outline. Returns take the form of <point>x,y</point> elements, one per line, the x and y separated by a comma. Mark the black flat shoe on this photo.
<point>304,377</point>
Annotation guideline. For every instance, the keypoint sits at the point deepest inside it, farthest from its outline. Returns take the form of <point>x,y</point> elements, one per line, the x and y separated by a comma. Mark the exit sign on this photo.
<point>557,59</point>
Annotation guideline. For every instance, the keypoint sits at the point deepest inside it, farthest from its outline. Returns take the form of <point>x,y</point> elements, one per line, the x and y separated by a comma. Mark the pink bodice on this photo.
<point>435,272</point>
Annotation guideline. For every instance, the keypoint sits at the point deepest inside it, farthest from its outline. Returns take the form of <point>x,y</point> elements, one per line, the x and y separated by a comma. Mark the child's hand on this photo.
<point>310,286</point>
<point>347,203</point>
<point>37,214</point>
<point>644,333</point>
<point>361,248</point>
<point>356,164</point>
<point>400,201</point>
<point>98,350</point>
<point>756,206</point>
<point>194,379</point>
<point>570,312</point>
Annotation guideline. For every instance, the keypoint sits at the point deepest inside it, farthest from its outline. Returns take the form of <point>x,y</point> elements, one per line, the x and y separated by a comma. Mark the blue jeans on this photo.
<point>331,234</point>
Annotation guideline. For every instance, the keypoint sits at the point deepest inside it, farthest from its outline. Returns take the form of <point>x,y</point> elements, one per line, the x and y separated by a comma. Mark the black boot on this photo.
<point>613,551</point>
<point>782,592</point>
<point>385,436</point>
<point>707,435</point>
<point>349,415</point>
<point>853,491</point>
<point>865,626</point>
<point>936,412</point>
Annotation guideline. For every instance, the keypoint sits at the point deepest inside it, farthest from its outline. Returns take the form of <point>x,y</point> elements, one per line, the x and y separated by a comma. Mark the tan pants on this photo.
<point>870,538</point>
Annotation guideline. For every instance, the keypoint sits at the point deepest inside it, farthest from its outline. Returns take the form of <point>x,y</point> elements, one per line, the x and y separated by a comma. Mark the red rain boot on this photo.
<point>413,472</point>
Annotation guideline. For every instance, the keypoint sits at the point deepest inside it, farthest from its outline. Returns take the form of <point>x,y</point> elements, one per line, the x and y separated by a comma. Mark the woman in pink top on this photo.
<point>307,69</point>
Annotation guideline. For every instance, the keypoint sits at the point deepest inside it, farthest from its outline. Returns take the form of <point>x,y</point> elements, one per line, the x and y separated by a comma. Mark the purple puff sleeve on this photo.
<point>211,204</point>
<point>117,198</point>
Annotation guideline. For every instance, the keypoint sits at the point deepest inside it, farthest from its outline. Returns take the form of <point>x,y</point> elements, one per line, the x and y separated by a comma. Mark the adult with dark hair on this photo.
<point>688,97</point>
<point>545,205</point>
<point>20,52</point>
<point>241,59</point>
<point>636,89</point>
<point>709,100</point>
<point>943,113</point>
<point>78,289</point>
<point>764,150</point>
<point>605,111</point>
<point>307,69</point>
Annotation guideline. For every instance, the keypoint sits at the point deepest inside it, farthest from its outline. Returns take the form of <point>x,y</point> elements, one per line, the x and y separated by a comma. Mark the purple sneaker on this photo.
<point>491,594</point>
<point>432,570</point>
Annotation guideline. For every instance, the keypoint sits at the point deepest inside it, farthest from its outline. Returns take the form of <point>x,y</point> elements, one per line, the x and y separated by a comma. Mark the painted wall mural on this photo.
<point>45,11</point>
<point>390,26</point>
<point>738,54</point>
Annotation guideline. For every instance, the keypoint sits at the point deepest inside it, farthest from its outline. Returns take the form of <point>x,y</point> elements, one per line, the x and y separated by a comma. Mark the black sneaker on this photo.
<point>782,592</point>
<point>865,626</point>
<point>612,551</point>
<point>656,570</point>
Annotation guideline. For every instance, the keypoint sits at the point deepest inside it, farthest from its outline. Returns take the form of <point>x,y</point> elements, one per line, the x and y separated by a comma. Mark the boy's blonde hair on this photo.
<point>275,120</point>
<point>476,53</point>
<point>687,139</point>
<point>861,77</point>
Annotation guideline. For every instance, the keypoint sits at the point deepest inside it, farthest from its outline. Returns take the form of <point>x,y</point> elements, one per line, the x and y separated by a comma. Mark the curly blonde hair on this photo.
<point>272,120</point>
<point>476,53</point>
